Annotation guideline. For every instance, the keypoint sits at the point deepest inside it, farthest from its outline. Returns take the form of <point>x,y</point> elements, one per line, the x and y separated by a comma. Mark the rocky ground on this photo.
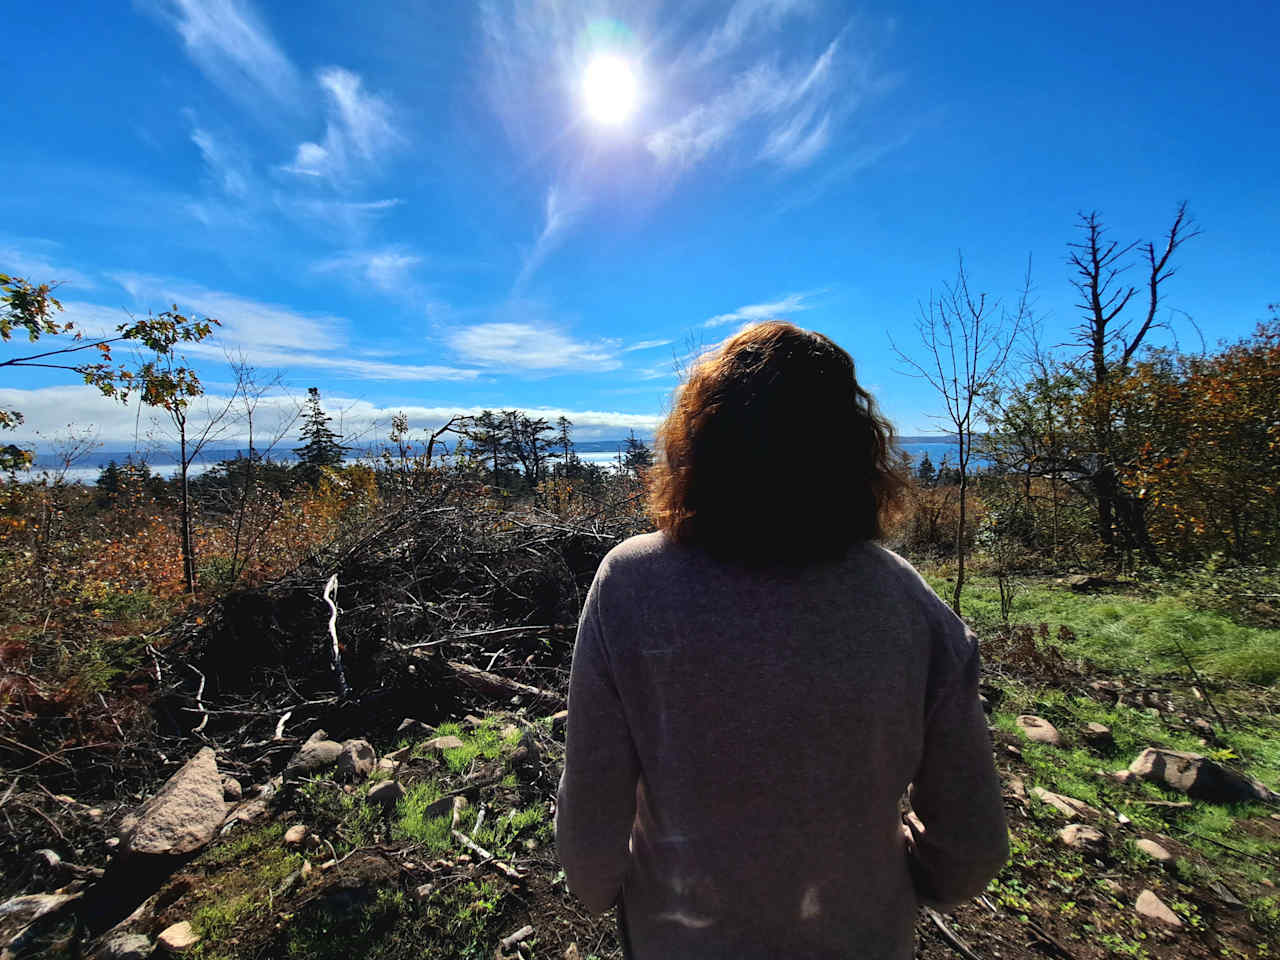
<point>391,794</point>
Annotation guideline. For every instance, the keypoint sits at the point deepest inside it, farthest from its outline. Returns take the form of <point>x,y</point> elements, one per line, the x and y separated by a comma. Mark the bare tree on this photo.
<point>966,339</point>
<point>1109,336</point>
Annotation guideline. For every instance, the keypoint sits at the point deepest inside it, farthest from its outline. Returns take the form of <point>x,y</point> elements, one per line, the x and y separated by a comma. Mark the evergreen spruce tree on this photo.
<point>323,447</point>
<point>637,457</point>
<point>926,472</point>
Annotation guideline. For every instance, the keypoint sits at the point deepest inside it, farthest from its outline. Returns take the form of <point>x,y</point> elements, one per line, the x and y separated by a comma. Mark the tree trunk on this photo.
<point>188,555</point>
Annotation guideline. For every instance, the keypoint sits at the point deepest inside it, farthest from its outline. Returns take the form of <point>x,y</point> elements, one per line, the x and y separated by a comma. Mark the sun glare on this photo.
<point>609,90</point>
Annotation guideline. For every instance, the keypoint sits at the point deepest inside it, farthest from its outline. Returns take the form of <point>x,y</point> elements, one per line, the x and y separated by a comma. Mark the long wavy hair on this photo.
<point>773,454</point>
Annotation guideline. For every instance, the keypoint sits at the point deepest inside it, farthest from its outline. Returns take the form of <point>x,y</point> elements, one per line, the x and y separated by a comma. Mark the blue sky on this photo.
<point>408,205</point>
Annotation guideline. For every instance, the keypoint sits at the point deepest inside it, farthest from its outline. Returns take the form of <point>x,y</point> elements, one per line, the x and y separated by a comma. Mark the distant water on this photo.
<point>163,464</point>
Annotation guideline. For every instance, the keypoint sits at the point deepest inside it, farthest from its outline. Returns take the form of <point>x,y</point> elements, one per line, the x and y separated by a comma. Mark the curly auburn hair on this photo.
<point>773,454</point>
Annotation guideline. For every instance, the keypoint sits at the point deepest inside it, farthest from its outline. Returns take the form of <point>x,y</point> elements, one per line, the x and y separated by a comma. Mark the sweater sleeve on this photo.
<point>596,803</point>
<point>959,838</point>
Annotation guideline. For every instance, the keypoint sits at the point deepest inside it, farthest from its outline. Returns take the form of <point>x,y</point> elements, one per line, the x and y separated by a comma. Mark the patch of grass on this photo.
<point>1132,633</point>
<point>484,741</point>
<point>414,824</point>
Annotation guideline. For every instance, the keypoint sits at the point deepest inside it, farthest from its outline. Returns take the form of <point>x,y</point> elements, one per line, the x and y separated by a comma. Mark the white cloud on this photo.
<point>562,209</point>
<point>531,347</point>
<point>359,132</point>
<point>49,411</point>
<point>757,312</point>
<point>645,345</point>
<point>275,336</point>
<point>387,269</point>
<point>22,259</point>
<point>233,47</point>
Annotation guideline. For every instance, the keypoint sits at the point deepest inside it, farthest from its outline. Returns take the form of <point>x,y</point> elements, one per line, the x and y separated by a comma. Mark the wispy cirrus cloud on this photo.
<point>745,19</point>
<point>359,133</point>
<point>757,312</point>
<point>231,45</point>
<point>789,107</point>
<point>563,207</point>
<point>387,269</point>
<point>645,345</point>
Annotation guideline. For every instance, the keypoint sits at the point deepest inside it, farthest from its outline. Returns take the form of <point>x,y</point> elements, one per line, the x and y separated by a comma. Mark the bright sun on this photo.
<point>609,89</point>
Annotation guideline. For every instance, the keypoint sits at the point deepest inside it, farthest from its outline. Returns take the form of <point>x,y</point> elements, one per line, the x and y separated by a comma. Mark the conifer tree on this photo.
<point>323,447</point>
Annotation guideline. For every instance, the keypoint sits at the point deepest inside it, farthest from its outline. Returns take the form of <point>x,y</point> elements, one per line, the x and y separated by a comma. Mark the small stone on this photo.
<point>1039,730</point>
<point>1153,908</point>
<point>178,938</point>
<point>126,946</point>
<point>1111,886</point>
<point>389,765</point>
<point>232,792</point>
<point>318,753</point>
<point>94,813</point>
<point>1069,806</point>
<point>464,858</point>
<point>386,793</point>
<point>444,743</point>
<point>1153,850</point>
<point>328,865</point>
<point>1012,750</point>
<point>1203,727</point>
<point>411,727</point>
<point>1080,836</point>
<point>113,842</point>
<point>356,761</point>
<point>399,756</point>
<point>1121,776</point>
<point>306,869</point>
<point>558,721</point>
<point>1098,736</point>
<point>423,892</point>
<point>571,952</point>
<point>471,721</point>
<point>1018,789</point>
<point>295,835</point>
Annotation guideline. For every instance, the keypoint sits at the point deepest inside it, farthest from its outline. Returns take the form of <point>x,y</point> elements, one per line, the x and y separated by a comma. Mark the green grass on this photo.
<point>1132,633</point>
<point>484,741</point>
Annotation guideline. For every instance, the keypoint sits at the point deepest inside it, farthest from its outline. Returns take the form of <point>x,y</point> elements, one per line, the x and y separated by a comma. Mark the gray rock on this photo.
<point>444,743</point>
<point>356,761</point>
<point>1098,736</point>
<point>1153,850</point>
<point>558,722</point>
<point>1039,730</point>
<point>178,938</point>
<point>1151,907</point>
<point>411,727</point>
<point>318,753</point>
<point>126,946</point>
<point>232,792</point>
<point>1196,776</point>
<point>184,815</point>
<point>386,793</point>
<point>1082,837</point>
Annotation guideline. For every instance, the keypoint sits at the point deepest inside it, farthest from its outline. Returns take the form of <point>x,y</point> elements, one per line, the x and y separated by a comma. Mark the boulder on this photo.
<point>184,815</point>
<point>1039,730</point>
<point>386,793</point>
<point>1098,736</point>
<point>1151,907</point>
<point>178,938</point>
<point>126,946</point>
<point>1196,776</point>
<point>318,753</point>
<point>1084,838</point>
<point>1153,850</point>
<point>356,761</point>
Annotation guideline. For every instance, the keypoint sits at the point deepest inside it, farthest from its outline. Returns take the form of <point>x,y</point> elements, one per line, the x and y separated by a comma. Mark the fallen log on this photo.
<point>491,685</point>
